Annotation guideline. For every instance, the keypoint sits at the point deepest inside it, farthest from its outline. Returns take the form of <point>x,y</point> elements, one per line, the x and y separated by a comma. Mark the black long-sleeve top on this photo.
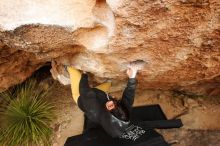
<point>92,102</point>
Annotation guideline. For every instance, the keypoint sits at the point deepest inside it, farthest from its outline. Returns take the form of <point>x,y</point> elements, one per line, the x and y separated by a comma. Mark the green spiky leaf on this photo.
<point>27,116</point>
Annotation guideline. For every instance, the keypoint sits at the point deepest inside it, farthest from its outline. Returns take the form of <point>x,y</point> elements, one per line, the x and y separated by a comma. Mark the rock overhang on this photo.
<point>178,40</point>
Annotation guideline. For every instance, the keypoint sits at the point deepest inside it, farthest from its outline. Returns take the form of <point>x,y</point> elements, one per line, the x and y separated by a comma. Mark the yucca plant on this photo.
<point>26,116</point>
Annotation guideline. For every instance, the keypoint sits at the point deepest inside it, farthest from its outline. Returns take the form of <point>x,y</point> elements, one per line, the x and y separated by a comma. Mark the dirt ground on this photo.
<point>200,116</point>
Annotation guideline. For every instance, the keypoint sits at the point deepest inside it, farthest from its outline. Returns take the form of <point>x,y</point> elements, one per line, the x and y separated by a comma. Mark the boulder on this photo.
<point>179,40</point>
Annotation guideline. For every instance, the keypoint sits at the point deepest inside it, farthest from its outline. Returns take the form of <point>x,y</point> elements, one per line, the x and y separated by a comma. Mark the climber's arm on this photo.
<point>129,92</point>
<point>84,87</point>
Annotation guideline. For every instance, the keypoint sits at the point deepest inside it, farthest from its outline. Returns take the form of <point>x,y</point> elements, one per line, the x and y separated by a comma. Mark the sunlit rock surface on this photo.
<point>178,39</point>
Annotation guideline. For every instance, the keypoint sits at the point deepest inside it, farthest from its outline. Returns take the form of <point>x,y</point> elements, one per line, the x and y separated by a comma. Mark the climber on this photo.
<point>99,107</point>
<point>115,122</point>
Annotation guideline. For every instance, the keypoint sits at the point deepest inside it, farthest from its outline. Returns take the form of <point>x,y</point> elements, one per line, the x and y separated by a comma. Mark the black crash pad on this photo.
<point>146,117</point>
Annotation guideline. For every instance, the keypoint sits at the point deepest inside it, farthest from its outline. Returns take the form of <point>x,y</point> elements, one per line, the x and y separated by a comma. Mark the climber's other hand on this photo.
<point>132,71</point>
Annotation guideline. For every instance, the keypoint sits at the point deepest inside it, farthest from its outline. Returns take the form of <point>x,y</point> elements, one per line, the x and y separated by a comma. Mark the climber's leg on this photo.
<point>104,87</point>
<point>75,77</point>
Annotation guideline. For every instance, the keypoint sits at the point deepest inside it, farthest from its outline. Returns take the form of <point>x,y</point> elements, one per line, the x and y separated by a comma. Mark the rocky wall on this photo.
<point>178,39</point>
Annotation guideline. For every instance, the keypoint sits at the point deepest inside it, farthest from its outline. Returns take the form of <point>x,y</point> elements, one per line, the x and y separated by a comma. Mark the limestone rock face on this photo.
<point>178,39</point>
